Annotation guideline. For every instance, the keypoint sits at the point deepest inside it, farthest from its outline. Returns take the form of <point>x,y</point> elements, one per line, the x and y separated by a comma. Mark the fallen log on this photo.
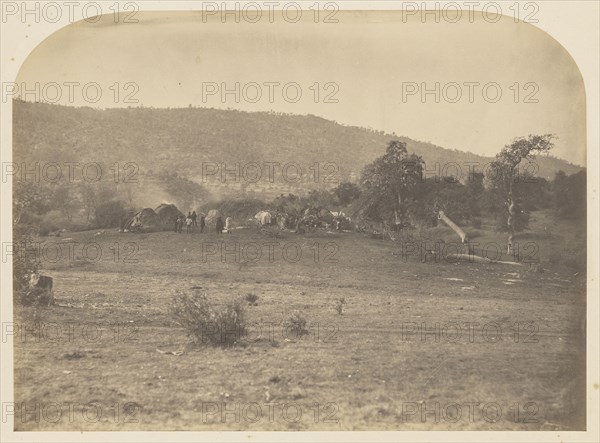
<point>477,259</point>
<point>453,226</point>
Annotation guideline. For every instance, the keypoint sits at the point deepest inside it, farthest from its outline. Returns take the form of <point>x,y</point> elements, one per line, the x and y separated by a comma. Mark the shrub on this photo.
<point>110,214</point>
<point>46,229</point>
<point>251,298</point>
<point>339,306</point>
<point>30,317</point>
<point>36,297</point>
<point>296,324</point>
<point>25,262</point>
<point>206,324</point>
<point>43,231</point>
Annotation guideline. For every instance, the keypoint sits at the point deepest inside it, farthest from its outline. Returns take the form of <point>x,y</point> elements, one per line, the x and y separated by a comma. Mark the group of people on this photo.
<point>191,222</point>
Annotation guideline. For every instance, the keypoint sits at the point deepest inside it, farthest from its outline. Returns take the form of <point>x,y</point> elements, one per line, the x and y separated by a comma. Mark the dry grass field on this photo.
<point>110,356</point>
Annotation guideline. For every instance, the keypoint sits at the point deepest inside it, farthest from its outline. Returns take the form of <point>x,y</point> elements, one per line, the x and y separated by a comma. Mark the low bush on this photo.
<point>339,305</point>
<point>37,297</point>
<point>251,298</point>
<point>296,325</point>
<point>46,229</point>
<point>110,214</point>
<point>205,324</point>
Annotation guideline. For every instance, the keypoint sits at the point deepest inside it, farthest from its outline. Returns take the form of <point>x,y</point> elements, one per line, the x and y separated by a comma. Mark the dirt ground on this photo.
<point>418,346</point>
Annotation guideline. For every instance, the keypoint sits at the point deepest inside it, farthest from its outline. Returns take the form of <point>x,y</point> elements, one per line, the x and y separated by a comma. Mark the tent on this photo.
<point>263,217</point>
<point>168,214</point>
<point>322,214</point>
<point>325,216</point>
<point>145,221</point>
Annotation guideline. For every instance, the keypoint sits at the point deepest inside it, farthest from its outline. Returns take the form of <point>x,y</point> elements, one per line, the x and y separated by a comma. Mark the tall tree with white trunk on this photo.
<point>503,173</point>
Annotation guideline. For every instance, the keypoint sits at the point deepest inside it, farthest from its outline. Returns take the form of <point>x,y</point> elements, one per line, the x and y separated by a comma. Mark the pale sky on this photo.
<point>371,57</point>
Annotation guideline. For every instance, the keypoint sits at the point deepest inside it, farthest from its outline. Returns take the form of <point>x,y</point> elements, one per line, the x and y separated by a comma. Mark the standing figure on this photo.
<point>219,226</point>
<point>202,223</point>
<point>188,224</point>
<point>180,224</point>
<point>338,223</point>
<point>194,217</point>
<point>228,224</point>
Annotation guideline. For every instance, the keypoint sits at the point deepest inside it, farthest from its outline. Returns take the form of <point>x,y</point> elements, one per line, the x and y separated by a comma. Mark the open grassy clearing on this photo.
<point>365,369</point>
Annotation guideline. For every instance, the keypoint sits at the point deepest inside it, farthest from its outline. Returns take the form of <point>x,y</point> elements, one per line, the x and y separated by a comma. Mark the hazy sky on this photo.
<point>368,59</point>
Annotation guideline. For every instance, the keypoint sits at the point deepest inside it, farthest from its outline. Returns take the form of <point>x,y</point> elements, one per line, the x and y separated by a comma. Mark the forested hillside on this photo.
<point>179,140</point>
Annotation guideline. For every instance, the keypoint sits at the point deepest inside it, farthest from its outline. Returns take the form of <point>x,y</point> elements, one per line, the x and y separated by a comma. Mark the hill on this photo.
<point>182,140</point>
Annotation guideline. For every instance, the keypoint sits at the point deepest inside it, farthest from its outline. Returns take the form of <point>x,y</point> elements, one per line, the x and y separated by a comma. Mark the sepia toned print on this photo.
<point>297,218</point>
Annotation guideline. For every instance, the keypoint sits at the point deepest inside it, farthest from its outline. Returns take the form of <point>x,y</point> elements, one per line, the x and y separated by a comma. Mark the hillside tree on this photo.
<point>346,193</point>
<point>503,175</point>
<point>570,200</point>
<point>390,183</point>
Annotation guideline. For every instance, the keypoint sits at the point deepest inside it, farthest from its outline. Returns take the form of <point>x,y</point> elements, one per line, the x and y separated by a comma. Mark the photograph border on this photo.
<point>579,37</point>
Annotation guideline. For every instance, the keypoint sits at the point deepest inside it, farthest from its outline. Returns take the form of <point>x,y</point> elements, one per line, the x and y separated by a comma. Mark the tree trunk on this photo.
<point>454,226</point>
<point>510,206</point>
<point>398,213</point>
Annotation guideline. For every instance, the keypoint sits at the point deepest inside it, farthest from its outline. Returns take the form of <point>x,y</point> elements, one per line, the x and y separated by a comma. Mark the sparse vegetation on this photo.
<point>47,228</point>
<point>251,298</point>
<point>384,282</point>
<point>340,304</point>
<point>36,297</point>
<point>110,214</point>
<point>378,293</point>
<point>296,325</point>
<point>26,198</point>
<point>204,323</point>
